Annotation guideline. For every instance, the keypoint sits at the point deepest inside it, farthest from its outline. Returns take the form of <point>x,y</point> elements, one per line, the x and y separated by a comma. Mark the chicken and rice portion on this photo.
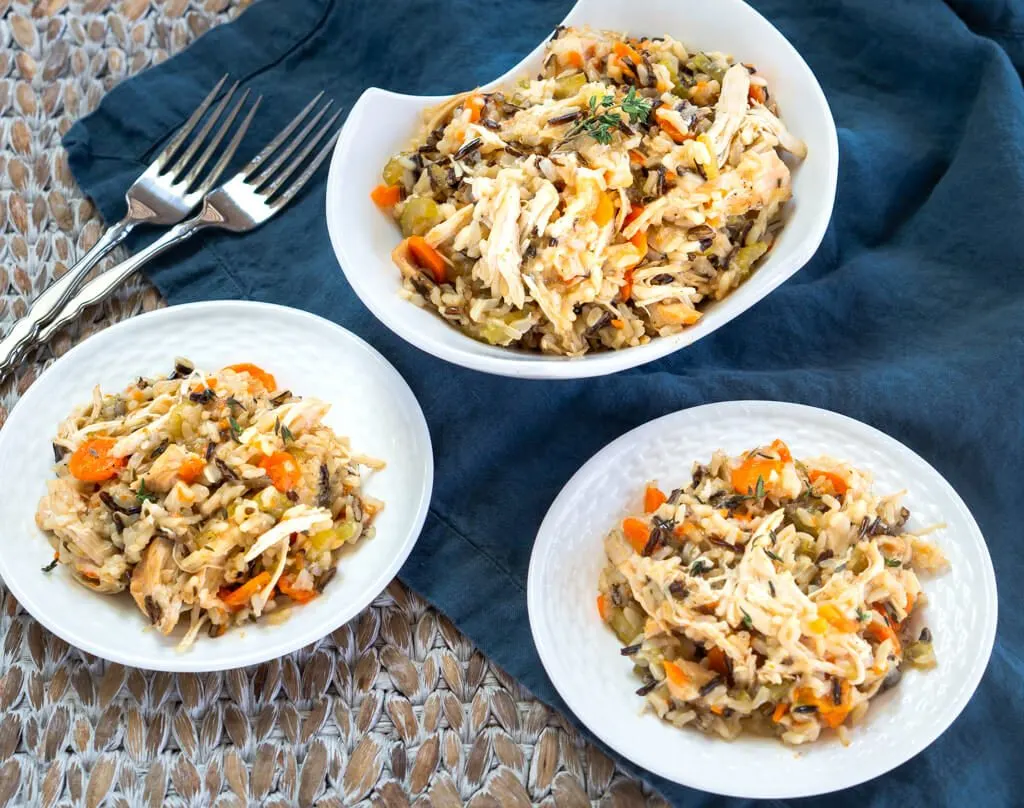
<point>213,498</point>
<point>768,595</point>
<point>596,206</point>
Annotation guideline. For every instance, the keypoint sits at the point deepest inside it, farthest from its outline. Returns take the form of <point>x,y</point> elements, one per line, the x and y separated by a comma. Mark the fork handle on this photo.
<point>52,299</point>
<point>100,287</point>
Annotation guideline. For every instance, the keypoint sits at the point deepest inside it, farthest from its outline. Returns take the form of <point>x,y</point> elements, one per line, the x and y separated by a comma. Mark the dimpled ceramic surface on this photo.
<point>382,123</point>
<point>582,657</point>
<point>369,401</point>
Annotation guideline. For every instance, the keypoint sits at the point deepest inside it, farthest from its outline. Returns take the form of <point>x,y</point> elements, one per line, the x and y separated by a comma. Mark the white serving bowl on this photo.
<point>581,654</point>
<point>370,403</point>
<point>382,123</point>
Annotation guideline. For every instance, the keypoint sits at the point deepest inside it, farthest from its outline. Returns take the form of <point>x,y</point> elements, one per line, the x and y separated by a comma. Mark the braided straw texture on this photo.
<point>395,709</point>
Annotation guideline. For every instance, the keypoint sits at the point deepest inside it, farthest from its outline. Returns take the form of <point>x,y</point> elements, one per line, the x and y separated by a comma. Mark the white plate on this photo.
<point>582,657</point>
<point>370,402</point>
<point>382,123</point>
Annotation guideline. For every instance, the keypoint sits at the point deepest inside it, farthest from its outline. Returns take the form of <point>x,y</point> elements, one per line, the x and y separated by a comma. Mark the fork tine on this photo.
<point>286,152</point>
<point>193,173</point>
<point>181,163</point>
<point>273,145</point>
<point>189,125</point>
<point>303,178</point>
<point>297,161</point>
<point>229,151</point>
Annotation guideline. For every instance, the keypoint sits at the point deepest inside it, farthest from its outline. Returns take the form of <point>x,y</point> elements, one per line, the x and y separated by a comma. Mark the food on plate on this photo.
<point>596,206</point>
<point>213,498</point>
<point>770,594</point>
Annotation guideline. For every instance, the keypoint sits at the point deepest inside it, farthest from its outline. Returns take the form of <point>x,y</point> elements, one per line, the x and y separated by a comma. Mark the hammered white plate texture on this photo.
<point>382,123</point>
<point>311,356</point>
<point>582,657</point>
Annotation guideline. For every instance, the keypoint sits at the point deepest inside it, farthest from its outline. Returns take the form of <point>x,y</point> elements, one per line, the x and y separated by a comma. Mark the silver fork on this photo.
<point>162,195</point>
<point>243,203</point>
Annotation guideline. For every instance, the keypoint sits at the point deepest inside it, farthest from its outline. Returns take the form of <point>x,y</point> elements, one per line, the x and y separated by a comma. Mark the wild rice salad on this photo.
<point>213,498</point>
<point>597,206</point>
<point>769,595</point>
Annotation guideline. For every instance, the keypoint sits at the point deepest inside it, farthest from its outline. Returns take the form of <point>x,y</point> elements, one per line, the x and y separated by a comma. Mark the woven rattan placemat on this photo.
<point>397,708</point>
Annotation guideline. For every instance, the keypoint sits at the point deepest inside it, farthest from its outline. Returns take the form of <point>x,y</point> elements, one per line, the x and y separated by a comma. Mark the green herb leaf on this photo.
<point>893,562</point>
<point>143,495</point>
<point>277,426</point>
<point>759,490</point>
<point>236,430</point>
<point>699,567</point>
<point>862,616</point>
<point>747,620</point>
<point>234,402</point>
<point>771,555</point>
<point>636,106</point>
<point>286,434</point>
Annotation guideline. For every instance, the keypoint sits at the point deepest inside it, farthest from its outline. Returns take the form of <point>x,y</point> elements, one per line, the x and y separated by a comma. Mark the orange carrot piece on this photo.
<point>283,470</point>
<point>475,104</point>
<point>287,587</point>
<point>636,158</point>
<point>626,290</point>
<point>427,257</point>
<point>386,196</point>
<point>92,462</point>
<point>716,661</point>
<point>675,674</point>
<point>604,607</point>
<point>839,485</point>
<point>838,620</point>
<point>637,533</point>
<point>780,711</point>
<point>574,59</point>
<point>653,499</point>
<point>756,93</point>
<point>618,324</point>
<point>605,210</point>
<point>238,598</point>
<point>190,469</point>
<point>624,51</point>
<point>744,477</point>
<point>257,374</point>
<point>639,240</point>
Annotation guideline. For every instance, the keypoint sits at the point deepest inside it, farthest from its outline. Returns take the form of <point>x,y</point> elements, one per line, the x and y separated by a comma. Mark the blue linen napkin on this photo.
<point>910,317</point>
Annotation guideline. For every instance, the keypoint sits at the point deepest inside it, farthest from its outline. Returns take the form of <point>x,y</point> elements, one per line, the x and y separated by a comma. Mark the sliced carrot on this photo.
<point>670,128</point>
<point>626,290</point>
<point>675,674</point>
<point>604,607</point>
<point>653,499</point>
<point>574,59</point>
<point>427,257</point>
<point>639,240</point>
<point>239,598</point>
<point>619,324</point>
<point>782,450</point>
<point>624,51</point>
<point>744,477</point>
<point>92,462</point>
<point>475,104</point>
<point>257,374</point>
<point>637,533</point>
<point>839,485</point>
<point>605,210</point>
<point>287,587</point>
<point>386,196</point>
<point>190,469</point>
<point>716,661</point>
<point>636,158</point>
<point>880,632</point>
<point>837,619</point>
<point>780,711</point>
<point>283,470</point>
<point>756,93</point>
<point>718,709</point>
